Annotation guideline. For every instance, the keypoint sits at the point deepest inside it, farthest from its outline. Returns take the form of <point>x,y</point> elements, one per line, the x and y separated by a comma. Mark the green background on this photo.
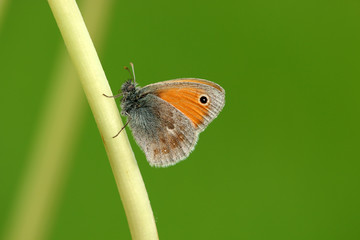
<point>280,162</point>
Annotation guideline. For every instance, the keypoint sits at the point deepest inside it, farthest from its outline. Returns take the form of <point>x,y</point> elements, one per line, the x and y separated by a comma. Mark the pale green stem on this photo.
<point>41,187</point>
<point>127,174</point>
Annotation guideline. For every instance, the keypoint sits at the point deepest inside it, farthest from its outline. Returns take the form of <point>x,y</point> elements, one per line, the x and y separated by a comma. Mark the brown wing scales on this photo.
<point>197,80</point>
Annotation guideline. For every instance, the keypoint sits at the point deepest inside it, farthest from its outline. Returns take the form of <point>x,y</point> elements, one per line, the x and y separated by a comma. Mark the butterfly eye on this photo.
<point>204,99</point>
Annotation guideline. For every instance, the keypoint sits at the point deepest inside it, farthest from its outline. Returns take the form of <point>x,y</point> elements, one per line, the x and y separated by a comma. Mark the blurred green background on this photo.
<point>280,162</point>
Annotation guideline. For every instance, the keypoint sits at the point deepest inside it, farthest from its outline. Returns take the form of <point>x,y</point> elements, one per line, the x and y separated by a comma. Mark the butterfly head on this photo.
<point>131,97</point>
<point>128,87</point>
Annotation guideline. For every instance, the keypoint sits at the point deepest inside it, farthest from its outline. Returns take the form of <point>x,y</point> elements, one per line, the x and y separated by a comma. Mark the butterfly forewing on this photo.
<point>199,100</point>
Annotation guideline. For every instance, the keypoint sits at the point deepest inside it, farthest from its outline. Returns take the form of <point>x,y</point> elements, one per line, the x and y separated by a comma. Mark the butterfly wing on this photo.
<point>198,99</point>
<point>165,134</point>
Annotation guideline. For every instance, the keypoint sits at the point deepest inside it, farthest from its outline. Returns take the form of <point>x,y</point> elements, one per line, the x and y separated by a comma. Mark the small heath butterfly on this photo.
<point>167,117</point>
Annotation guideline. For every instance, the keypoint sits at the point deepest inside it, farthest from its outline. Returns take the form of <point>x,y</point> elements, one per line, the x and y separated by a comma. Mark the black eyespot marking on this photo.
<point>203,99</point>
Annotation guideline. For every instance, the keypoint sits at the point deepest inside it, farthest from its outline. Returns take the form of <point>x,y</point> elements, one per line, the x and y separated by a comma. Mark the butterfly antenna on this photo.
<point>133,70</point>
<point>127,69</point>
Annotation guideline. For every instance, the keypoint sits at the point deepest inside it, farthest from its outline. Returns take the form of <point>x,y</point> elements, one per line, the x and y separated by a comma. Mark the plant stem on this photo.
<point>127,174</point>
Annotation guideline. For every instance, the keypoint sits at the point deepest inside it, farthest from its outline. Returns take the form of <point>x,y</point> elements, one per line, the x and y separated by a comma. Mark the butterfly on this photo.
<point>167,117</point>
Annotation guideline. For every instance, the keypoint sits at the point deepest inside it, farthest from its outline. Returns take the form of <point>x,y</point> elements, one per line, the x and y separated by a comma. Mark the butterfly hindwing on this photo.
<point>167,136</point>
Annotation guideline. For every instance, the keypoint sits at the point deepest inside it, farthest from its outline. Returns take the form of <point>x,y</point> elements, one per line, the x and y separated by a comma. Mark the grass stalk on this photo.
<point>127,174</point>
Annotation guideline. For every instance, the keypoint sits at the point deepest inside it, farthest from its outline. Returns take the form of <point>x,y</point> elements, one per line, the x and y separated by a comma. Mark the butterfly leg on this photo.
<point>121,129</point>
<point>115,96</point>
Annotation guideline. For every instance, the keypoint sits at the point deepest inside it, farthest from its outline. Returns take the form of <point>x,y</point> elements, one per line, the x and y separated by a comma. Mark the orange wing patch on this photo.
<point>186,100</point>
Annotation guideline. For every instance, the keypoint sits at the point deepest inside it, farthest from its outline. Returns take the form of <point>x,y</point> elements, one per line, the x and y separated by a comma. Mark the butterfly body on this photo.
<point>167,117</point>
